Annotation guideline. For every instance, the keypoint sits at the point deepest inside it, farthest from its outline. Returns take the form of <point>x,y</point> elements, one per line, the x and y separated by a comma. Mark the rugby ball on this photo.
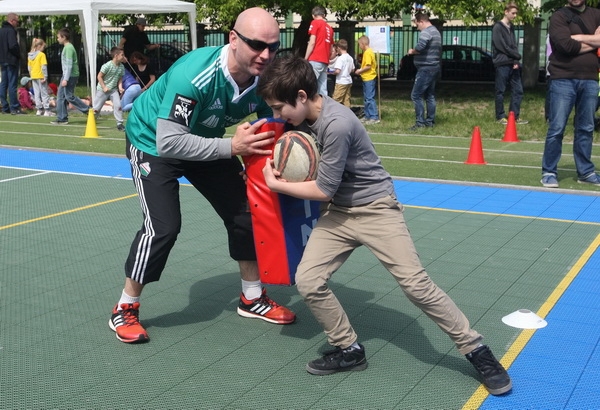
<point>296,156</point>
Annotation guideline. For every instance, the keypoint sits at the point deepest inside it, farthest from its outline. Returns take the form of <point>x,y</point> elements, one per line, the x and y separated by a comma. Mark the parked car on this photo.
<point>459,63</point>
<point>54,51</point>
<point>164,57</point>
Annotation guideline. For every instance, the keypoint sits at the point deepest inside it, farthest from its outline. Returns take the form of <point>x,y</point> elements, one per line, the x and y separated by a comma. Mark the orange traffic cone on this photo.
<point>476,150</point>
<point>510,134</point>
<point>90,129</point>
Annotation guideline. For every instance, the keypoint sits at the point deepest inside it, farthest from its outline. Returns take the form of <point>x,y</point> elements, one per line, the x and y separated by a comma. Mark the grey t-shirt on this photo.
<point>429,47</point>
<point>349,170</point>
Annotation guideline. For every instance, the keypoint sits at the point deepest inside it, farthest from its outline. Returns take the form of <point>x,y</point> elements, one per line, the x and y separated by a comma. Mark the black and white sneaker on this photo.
<point>339,360</point>
<point>495,378</point>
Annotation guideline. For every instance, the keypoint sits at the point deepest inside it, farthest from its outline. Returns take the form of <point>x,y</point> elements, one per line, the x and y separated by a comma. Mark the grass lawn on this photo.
<point>431,153</point>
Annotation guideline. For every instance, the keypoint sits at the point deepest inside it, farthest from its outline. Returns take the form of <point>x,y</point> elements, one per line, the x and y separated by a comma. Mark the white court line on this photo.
<point>62,135</point>
<point>68,173</point>
<point>24,176</point>
<point>395,144</point>
<point>461,162</point>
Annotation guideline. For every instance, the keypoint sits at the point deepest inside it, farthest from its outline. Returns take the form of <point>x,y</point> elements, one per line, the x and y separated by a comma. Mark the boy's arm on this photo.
<point>303,190</point>
<point>67,65</point>
<point>100,78</point>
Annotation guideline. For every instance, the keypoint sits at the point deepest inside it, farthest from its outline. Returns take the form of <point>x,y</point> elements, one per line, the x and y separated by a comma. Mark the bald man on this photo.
<point>176,130</point>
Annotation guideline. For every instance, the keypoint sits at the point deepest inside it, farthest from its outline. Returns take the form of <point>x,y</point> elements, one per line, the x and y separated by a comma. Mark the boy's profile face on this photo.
<point>119,57</point>
<point>287,112</point>
<point>61,39</point>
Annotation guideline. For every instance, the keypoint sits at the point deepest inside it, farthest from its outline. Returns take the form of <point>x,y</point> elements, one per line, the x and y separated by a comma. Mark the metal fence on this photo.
<point>175,41</point>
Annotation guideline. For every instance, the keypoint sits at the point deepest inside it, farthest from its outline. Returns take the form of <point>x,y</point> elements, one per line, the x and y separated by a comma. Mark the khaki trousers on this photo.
<point>341,93</point>
<point>379,226</point>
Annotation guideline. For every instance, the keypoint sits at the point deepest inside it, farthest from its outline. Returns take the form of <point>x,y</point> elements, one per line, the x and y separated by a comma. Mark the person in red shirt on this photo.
<point>319,46</point>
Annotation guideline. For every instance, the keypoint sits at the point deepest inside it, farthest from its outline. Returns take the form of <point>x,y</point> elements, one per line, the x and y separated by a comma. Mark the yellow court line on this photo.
<point>519,344</point>
<point>429,208</point>
<point>70,211</point>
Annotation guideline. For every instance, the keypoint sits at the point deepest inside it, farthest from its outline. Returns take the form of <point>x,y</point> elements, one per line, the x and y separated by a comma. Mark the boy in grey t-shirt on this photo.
<point>359,208</point>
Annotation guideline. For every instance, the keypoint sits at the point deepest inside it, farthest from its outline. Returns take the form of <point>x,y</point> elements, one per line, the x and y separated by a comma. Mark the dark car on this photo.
<point>164,57</point>
<point>459,63</point>
<point>53,52</point>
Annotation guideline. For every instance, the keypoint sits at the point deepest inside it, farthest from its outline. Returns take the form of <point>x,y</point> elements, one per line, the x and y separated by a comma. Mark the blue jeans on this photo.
<point>506,75</point>
<point>66,95</point>
<point>320,70</point>
<point>371,112</point>
<point>131,93</point>
<point>8,85</point>
<point>564,94</point>
<point>424,88</point>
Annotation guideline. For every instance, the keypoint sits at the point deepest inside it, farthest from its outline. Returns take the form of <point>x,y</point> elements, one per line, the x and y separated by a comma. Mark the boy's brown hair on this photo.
<point>342,44</point>
<point>114,51</point>
<point>285,77</point>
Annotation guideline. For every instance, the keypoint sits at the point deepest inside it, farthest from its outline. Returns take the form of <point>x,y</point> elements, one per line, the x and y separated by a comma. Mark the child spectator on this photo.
<point>70,75</point>
<point>368,73</point>
<point>25,95</point>
<point>110,80</point>
<point>38,71</point>
<point>343,69</point>
<point>52,89</point>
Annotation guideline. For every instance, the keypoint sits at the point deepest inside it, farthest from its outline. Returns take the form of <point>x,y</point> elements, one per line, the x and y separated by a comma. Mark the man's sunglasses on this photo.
<point>258,45</point>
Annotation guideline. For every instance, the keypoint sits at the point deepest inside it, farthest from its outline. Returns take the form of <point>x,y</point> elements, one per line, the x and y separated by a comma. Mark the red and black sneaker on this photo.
<point>266,309</point>
<point>126,325</point>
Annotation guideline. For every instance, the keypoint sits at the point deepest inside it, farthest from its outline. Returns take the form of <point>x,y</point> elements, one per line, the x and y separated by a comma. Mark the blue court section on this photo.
<point>540,204</point>
<point>560,365</point>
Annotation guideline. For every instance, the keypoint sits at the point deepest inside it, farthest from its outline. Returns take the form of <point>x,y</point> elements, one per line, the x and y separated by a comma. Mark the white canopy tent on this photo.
<point>89,11</point>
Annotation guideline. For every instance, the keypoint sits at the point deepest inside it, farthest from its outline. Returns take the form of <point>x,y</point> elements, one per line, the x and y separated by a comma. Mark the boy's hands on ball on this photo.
<point>272,176</point>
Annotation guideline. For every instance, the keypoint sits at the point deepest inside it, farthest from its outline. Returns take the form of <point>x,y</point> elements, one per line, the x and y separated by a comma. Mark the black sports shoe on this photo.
<point>495,379</point>
<point>339,360</point>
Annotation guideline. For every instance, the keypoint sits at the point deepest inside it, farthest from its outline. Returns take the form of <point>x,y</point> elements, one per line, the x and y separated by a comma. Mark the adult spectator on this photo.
<point>319,46</point>
<point>10,53</point>
<point>368,74</point>
<point>176,130</point>
<point>574,33</point>
<point>508,69</point>
<point>136,80</point>
<point>135,39</point>
<point>427,55</point>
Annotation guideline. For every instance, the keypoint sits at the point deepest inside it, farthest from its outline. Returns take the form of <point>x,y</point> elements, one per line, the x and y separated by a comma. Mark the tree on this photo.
<point>552,5</point>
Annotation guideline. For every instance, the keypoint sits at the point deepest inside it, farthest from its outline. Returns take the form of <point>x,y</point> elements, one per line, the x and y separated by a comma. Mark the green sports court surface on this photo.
<point>66,223</point>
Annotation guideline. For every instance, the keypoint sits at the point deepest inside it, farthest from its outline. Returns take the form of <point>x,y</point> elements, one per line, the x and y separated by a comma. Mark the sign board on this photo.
<point>379,38</point>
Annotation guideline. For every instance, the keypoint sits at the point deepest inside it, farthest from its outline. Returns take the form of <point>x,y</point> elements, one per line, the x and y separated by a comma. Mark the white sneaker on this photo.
<point>49,114</point>
<point>39,112</point>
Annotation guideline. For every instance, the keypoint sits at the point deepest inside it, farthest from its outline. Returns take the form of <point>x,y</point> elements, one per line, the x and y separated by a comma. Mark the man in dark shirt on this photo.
<point>135,39</point>
<point>573,66</point>
<point>508,68</point>
<point>9,63</point>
